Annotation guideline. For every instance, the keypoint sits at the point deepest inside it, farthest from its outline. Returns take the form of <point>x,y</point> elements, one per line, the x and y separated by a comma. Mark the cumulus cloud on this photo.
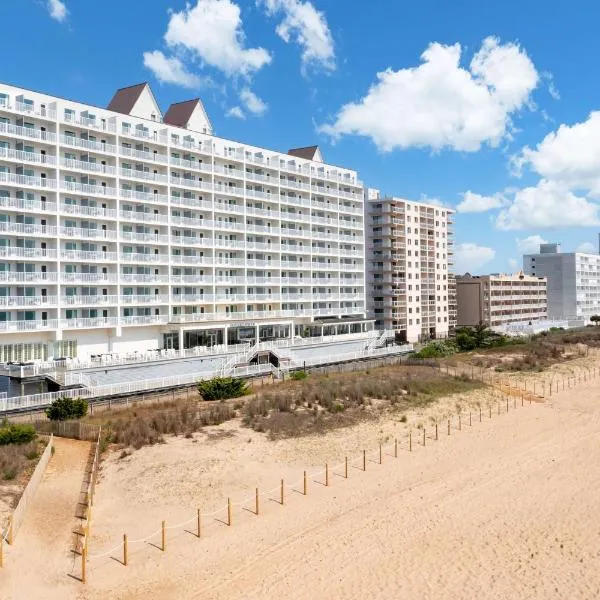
<point>304,25</point>
<point>548,204</point>
<point>476,203</point>
<point>235,112</point>
<point>587,248</point>
<point>252,102</point>
<point>170,70</point>
<point>212,32</point>
<point>530,244</point>
<point>469,257</point>
<point>441,104</point>
<point>570,155</point>
<point>58,10</point>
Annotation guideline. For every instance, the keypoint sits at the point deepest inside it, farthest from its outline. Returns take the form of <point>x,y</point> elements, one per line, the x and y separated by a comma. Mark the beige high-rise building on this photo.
<point>409,250</point>
<point>497,300</point>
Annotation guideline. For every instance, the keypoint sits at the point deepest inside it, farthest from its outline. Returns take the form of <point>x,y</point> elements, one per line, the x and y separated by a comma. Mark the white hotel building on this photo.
<point>123,229</point>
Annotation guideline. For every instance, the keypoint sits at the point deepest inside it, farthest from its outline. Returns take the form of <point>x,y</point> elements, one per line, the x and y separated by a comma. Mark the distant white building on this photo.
<point>573,281</point>
<point>409,284</point>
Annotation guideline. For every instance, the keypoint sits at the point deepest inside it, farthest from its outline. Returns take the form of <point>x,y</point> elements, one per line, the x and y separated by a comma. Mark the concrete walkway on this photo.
<point>40,558</point>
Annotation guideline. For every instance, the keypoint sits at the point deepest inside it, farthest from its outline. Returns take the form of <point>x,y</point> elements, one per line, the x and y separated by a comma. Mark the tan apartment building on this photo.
<point>409,256</point>
<point>497,300</point>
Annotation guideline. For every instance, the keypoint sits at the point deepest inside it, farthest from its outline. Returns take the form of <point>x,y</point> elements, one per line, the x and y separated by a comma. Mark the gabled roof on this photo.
<point>307,152</point>
<point>179,113</point>
<point>125,98</point>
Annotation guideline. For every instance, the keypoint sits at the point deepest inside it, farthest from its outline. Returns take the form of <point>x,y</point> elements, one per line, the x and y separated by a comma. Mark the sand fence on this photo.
<point>15,520</point>
<point>82,533</point>
<point>510,398</point>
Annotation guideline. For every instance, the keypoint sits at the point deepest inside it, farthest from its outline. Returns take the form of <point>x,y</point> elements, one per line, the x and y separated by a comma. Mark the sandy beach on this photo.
<point>505,508</point>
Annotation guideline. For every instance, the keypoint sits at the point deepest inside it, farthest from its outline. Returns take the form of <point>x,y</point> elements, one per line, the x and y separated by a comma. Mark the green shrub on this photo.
<point>298,375</point>
<point>437,349</point>
<point>16,434</point>
<point>63,409</point>
<point>222,388</point>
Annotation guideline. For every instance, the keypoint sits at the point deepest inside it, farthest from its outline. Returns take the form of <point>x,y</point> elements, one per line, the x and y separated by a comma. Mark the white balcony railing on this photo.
<point>26,180</point>
<point>84,165</point>
<point>71,140</point>
<point>28,132</point>
<point>18,252</point>
<point>29,157</point>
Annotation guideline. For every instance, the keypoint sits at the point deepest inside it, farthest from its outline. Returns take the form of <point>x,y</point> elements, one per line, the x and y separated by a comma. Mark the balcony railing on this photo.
<point>28,132</point>
<point>25,228</point>
<point>18,252</point>
<point>28,277</point>
<point>26,180</point>
<point>85,255</point>
<point>85,188</point>
<point>30,157</point>
<point>26,301</point>
<point>27,205</point>
<point>84,165</point>
<point>71,140</point>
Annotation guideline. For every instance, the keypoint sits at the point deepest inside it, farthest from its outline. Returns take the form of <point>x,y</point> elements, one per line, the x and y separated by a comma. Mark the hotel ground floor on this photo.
<point>85,344</point>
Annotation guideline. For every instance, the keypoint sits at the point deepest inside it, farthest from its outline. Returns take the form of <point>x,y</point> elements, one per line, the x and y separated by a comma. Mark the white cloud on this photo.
<point>235,112</point>
<point>58,10</point>
<point>513,263</point>
<point>212,32</point>
<point>548,204</point>
<point>570,155</point>
<point>252,102</point>
<point>587,248</point>
<point>304,24</point>
<point>440,104</point>
<point>476,203</point>
<point>470,257</point>
<point>435,201</point>
<point>530,244</point>
<point>170,70</point>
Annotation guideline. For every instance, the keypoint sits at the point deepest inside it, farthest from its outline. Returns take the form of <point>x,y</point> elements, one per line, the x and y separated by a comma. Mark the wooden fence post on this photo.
<point>281,494</point>
<point>304,487</point>
<point>396,448</point>
<point>470,420</point>
<point>364,460</point>
<point>83,565</point>
<point>125,549</point>
<point>164,536</point>
<point>380,454</point>
<point>199,523</point>
<point>423,436</point>
<point>480,413</point>
<point>448,426</point>
<point>410,441</point>
<point>326,474</point>
<point>11,528</point>
<point>256,502</point>
<point>346,467</point>
<point>506,403</point>
<point>436,432</point>
<point>229,512</point>
<point>459,422</point>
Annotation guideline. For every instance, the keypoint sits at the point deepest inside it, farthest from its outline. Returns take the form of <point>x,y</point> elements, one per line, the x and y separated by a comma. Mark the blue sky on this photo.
<point>483,106</point>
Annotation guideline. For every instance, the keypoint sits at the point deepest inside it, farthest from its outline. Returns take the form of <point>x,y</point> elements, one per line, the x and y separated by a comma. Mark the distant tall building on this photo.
<point>573,281</point>
<point>500,299</point>
<point>409,249</point>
